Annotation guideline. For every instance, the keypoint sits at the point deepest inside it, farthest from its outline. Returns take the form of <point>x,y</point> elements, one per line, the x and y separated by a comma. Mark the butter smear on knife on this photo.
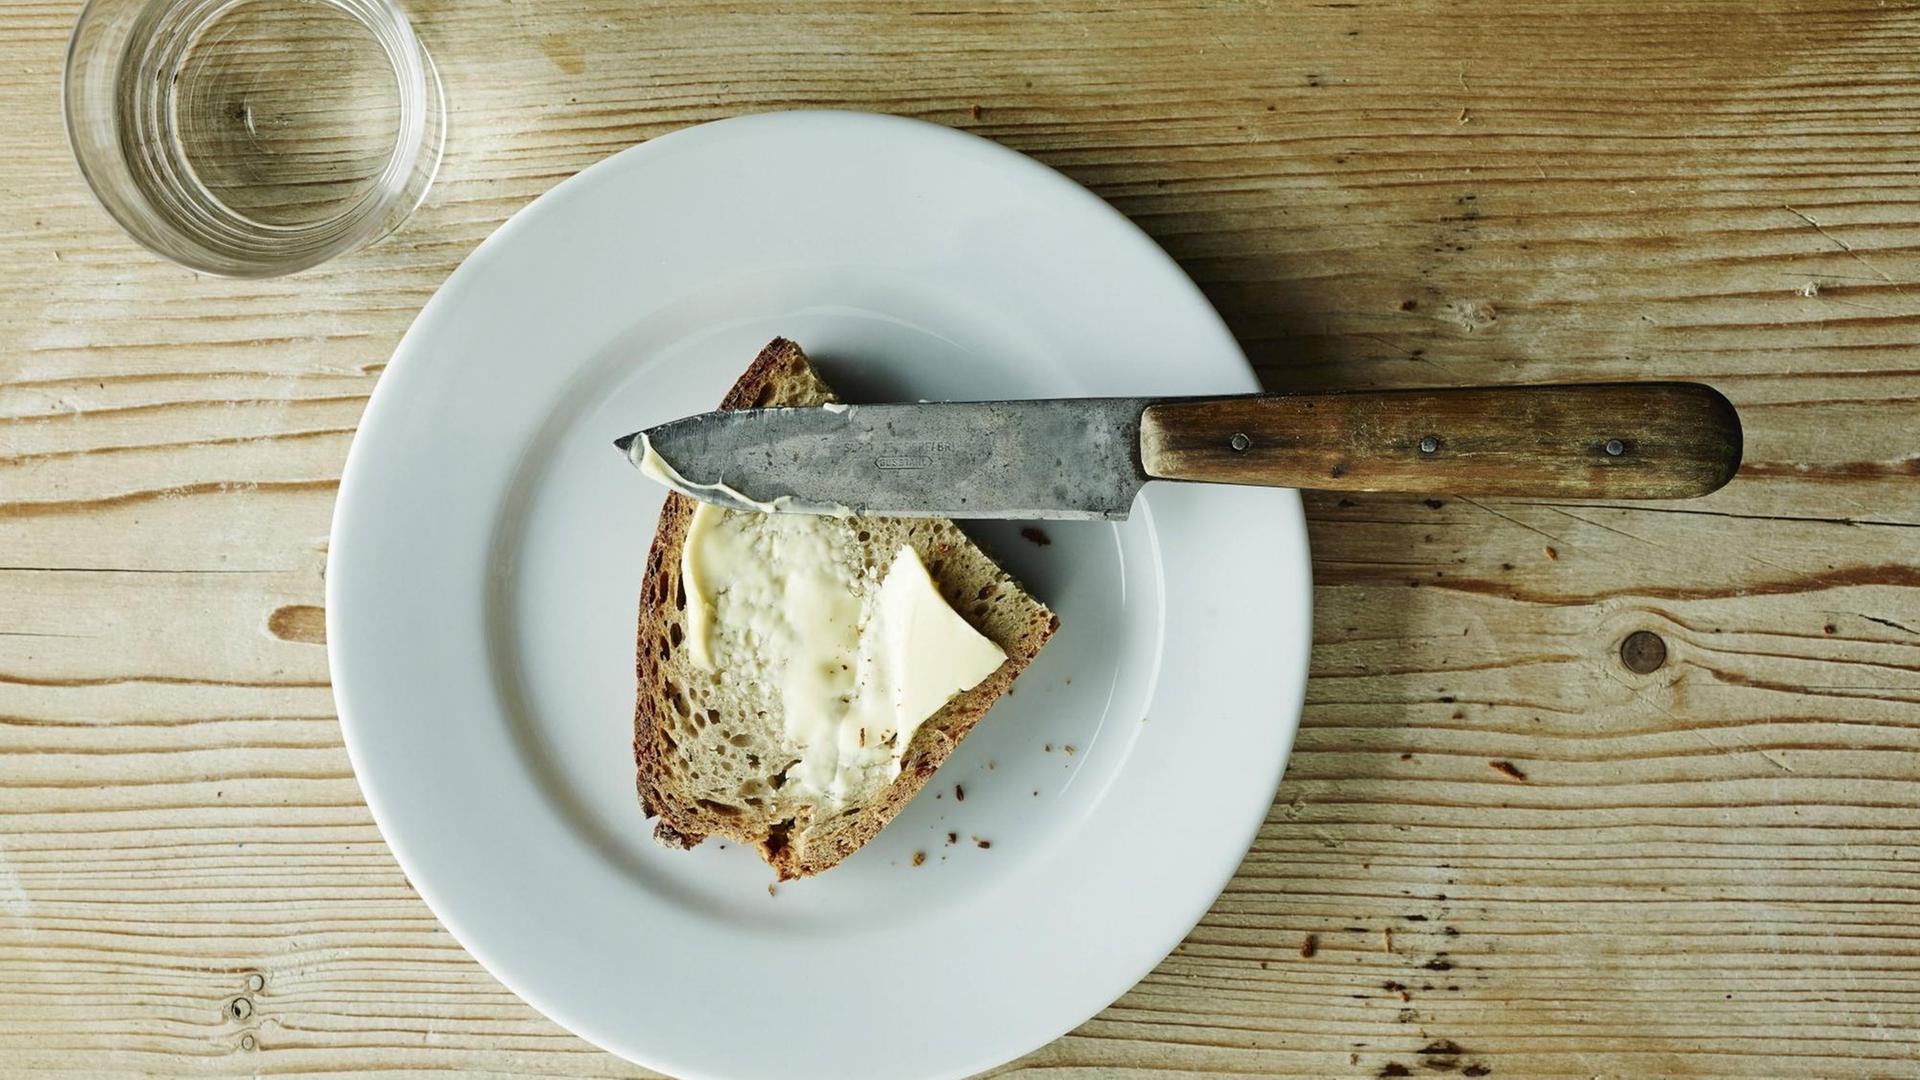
<point>661,471</point>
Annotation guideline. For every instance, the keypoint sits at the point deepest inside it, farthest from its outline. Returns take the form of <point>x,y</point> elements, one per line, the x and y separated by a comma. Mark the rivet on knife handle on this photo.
<point>1612,441</point>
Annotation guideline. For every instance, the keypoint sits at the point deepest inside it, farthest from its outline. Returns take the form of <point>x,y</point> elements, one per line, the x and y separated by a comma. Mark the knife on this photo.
<point>1088,457</point>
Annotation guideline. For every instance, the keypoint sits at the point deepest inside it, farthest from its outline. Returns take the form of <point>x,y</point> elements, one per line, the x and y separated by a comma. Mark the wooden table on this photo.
<point>1501,849</point>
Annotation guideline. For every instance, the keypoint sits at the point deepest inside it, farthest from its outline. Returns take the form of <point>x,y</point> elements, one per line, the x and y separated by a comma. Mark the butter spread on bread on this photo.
<point>852,665</point>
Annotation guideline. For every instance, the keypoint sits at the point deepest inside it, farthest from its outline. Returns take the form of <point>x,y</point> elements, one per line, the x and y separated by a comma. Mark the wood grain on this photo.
<point>1653,440</point>
<point>1707,870</point>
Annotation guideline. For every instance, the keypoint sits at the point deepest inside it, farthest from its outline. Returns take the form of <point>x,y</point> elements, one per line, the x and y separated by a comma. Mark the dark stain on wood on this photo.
<point>564,53</point>
<point>303,623</point>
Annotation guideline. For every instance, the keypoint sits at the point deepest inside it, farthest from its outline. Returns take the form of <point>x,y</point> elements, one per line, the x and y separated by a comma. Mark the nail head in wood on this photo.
<point>1615,448</point>
<point>1240,441</point>
<point>1430,444</point>
<point>1643,652</point>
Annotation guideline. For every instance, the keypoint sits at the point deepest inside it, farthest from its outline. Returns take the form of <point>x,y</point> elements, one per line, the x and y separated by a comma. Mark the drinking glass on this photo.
<point>253,138</point>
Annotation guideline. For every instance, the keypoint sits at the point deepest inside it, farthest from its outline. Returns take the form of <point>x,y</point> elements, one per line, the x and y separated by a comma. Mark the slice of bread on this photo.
<point>711,754</point>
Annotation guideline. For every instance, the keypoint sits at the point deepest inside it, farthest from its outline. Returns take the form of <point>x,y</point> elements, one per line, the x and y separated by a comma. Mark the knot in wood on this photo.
<point>1643,652</point>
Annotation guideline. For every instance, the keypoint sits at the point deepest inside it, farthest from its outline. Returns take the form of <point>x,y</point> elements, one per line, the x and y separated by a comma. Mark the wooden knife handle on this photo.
<point>1608,441</point>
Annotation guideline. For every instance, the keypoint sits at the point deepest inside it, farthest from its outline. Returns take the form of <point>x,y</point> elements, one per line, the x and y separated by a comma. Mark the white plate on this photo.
<point>486,557</point>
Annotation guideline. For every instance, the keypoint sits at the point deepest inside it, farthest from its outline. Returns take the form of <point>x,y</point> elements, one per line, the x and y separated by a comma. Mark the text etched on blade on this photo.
<point>914,455</point>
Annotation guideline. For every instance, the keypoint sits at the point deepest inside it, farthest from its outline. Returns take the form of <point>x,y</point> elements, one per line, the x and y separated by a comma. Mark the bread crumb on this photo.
<point>1036,537</point>
<point>1552,554</point>
<point>1810,289</point>
<point>976,110</point>
<point>1386,939</point>
<point>1069,748</point>
<point>959,793</point>
<point>1508,768</point>
<point>919,858</point>
<point>1463,118</point>
<point>772,890</point>
<point>989,764</point>
<point>1309,946</point>
<point>979,843</point>
<point>952,839</point>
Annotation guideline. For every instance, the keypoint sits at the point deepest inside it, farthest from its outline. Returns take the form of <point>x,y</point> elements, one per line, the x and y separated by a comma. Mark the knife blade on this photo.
<point>1088,457</point>
<point>1044,459</point>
